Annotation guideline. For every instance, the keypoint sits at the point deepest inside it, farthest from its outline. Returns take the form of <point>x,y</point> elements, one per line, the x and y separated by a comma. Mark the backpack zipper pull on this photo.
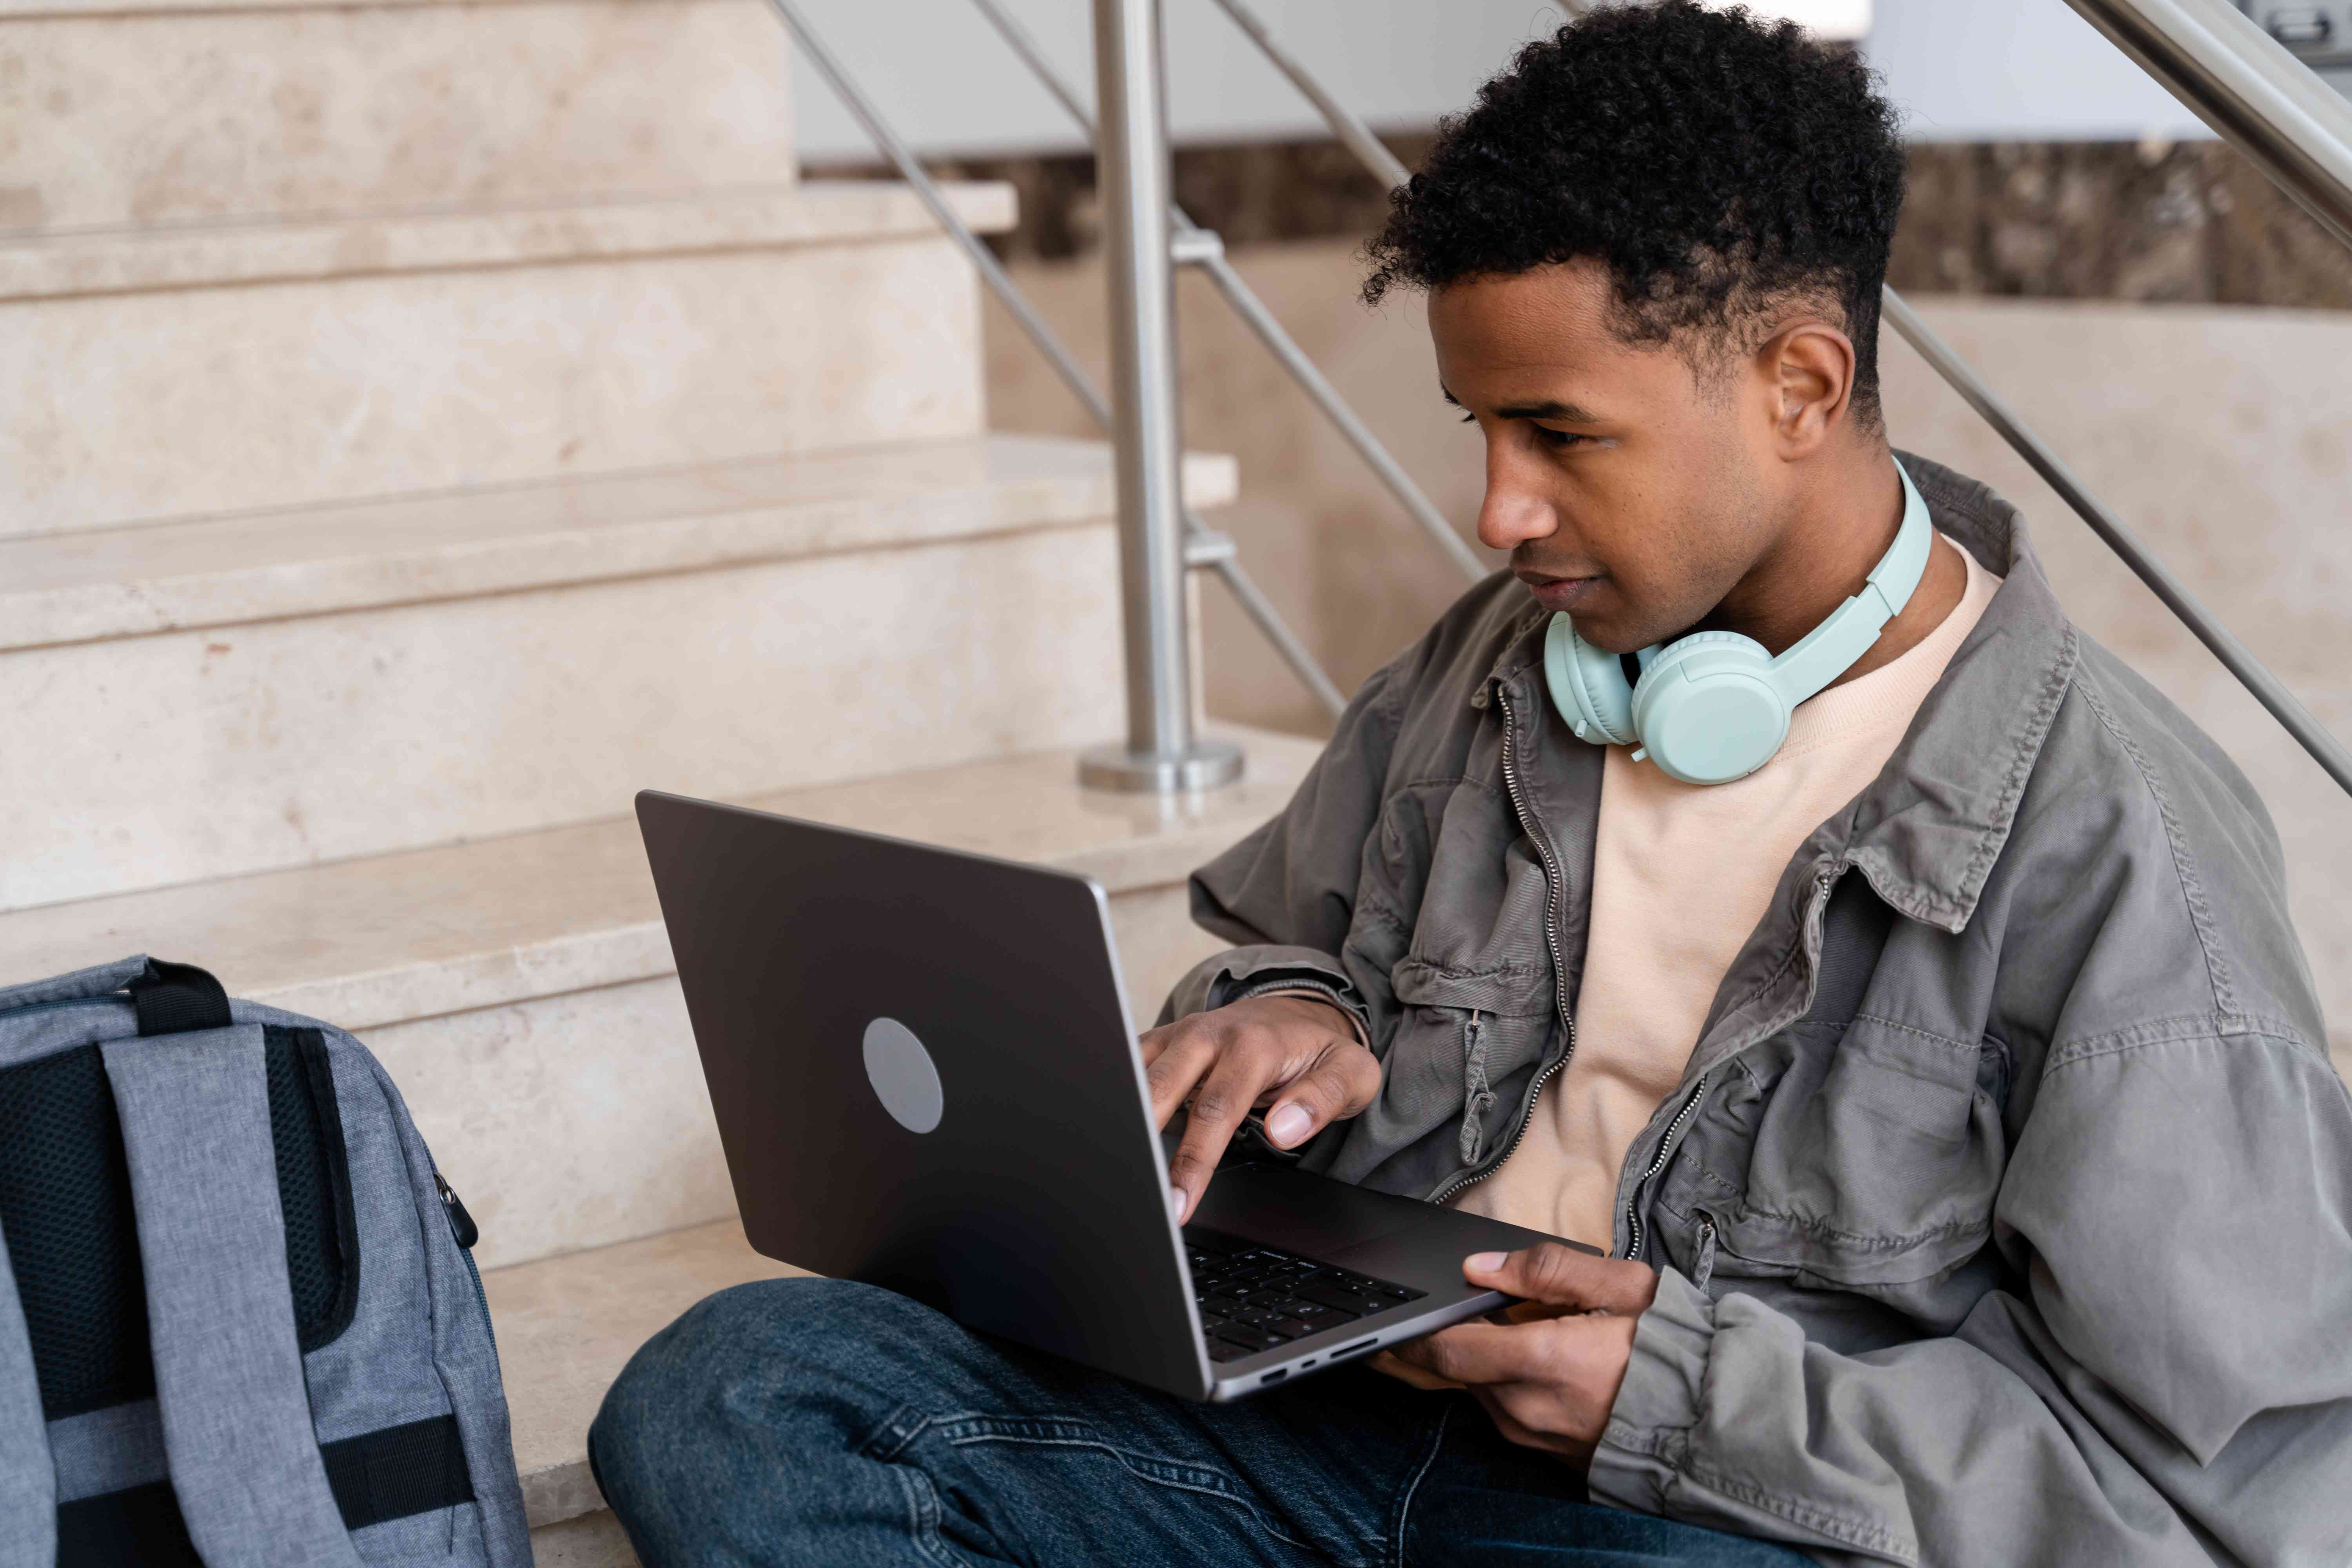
<point>461,1224</point>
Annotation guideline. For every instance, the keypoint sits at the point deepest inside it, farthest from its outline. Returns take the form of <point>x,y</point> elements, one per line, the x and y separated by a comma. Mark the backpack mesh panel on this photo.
<point>308,1139</point>
<point>65,1207</point>
<point>73,1239</point>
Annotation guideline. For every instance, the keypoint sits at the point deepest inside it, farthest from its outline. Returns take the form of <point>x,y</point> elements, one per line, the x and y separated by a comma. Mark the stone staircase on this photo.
<point>424,427</point>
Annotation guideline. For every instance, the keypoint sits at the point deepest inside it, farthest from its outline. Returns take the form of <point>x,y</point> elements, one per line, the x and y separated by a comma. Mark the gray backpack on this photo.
<point>238,1322</point>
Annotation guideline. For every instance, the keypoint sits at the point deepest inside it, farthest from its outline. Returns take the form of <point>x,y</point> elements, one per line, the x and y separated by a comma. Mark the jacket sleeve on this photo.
<point>2169,1381</point>
<point>1286,895</point>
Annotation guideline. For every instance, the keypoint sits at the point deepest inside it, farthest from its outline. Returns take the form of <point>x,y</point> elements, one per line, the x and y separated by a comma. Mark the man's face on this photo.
<point>1631,490</point>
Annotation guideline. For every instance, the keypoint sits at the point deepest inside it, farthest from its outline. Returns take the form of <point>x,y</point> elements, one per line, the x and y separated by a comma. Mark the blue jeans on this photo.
<point>829,1425</point>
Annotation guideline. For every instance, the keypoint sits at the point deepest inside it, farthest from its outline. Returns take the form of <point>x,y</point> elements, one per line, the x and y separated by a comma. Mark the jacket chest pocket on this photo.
<point>1471,1040</point>
<point>1449,878</point>
<point>1859,1154</point>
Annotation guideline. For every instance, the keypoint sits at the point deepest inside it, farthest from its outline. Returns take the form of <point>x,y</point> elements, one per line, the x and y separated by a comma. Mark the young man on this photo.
<point>1948,1091</point>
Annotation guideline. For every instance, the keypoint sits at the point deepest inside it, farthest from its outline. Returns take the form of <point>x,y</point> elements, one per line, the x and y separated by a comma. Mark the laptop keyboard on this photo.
<point>1254,1297</point>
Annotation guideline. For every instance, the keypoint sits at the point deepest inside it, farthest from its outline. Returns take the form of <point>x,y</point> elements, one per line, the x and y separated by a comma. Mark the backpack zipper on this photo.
<point>54,1003</point>
<point>465,1232</point>
<point>461,1224</point>
<point>1551,941</point>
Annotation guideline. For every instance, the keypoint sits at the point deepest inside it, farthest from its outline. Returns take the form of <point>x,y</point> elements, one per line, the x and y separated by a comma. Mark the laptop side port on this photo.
<point>1275,1376</point>
<point>1347,1351</point>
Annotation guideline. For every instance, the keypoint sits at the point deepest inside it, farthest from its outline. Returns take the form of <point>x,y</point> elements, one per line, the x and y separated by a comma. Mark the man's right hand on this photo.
<point>1296,1055</point>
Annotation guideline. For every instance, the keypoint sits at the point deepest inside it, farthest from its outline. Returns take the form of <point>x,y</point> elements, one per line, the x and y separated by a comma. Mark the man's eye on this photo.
<point>1551,437</point>
<point>1469,419</point>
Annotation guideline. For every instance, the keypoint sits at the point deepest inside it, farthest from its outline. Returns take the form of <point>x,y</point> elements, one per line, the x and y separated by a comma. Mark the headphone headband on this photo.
<point>1830,650</point>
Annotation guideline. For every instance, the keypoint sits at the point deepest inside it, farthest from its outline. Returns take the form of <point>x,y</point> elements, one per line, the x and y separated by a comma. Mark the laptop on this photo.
<point>925,1077</point>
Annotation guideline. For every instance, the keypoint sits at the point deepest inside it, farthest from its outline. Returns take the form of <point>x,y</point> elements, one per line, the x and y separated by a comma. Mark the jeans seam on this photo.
<point>1405,1497</point>
<point>891,1437</point>
<point>1180,1475</point>
<point>923,1516</point>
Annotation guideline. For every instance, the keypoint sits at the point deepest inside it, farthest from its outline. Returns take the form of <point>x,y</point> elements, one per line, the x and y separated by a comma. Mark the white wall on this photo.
<point>1963,69</point>
<point>2027,70</point>
<point>948,83</point>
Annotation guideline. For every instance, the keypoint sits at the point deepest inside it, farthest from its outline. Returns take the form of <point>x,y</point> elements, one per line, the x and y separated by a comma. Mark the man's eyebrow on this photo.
<point>1562,413</point>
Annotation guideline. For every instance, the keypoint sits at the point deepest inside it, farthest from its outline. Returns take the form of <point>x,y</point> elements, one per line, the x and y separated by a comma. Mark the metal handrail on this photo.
<point>2237,79</point>
<point>1200,537</point>
<point>1200,247</point>
<point>2194,48</point>
<point>1369,149</point>
<point>2252,673</point>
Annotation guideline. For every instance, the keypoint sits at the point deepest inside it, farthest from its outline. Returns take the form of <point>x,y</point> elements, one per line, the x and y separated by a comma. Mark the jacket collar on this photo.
<point>1927,830</point>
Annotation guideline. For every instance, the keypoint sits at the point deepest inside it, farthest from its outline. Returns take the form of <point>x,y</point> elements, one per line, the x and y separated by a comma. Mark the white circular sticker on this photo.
<point>905,1079</point>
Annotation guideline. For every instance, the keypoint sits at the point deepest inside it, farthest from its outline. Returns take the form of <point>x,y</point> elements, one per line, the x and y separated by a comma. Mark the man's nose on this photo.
<point>1513,513</point>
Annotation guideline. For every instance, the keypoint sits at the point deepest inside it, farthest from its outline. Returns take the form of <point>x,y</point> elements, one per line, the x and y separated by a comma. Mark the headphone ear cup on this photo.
<point>1588,686</point>
<point>1708,709</point>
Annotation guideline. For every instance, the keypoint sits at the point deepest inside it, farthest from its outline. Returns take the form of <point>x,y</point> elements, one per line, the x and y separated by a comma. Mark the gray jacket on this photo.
<point>2004,1213</point>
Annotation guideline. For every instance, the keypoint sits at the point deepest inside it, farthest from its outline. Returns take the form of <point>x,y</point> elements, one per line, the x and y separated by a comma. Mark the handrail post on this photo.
<point>1161,755</point>
<point>1198,247</point>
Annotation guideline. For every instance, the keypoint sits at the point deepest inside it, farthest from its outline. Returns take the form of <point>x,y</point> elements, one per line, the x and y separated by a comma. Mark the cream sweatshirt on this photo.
<point>1681,875</point>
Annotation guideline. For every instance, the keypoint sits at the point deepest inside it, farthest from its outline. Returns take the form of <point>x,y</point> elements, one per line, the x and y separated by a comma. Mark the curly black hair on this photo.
<point>1718,165</point>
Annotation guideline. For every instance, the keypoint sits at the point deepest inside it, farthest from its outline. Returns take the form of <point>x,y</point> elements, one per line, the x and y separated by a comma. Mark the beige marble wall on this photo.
<point>159,118</point>
<point>2224,434</point>
<point>577,1121</point>
<point>180,756</point>
<point>1333,552</point>
<point>142,406</point>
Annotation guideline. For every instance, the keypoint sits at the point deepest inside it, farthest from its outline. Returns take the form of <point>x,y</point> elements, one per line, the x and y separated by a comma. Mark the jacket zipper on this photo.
<point>1551,941</point>
<point>1822,882</point>
<point>1666,1148</point>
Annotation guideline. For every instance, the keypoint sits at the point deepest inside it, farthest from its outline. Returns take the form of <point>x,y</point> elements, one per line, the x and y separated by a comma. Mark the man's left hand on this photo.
<point>1550,1377</point>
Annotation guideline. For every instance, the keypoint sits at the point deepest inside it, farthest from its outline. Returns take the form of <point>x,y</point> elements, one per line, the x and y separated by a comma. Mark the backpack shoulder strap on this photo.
<point>244,1457</point>
<point>29,1481</point>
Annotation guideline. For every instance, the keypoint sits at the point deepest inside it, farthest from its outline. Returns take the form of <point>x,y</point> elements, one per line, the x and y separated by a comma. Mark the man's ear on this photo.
<point>1810,364</point>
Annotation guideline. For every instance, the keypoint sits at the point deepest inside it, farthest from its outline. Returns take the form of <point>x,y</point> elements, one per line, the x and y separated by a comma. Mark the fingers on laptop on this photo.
<point>1563,1277</point>
<point>1295,1057</point>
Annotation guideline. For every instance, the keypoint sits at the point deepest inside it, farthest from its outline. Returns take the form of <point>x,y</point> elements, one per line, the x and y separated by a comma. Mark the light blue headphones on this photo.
<point>1714,706</point>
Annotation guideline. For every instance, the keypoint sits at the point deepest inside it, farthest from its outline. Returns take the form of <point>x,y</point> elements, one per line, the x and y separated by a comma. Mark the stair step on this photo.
<point>956,629</point>
<point>165,116</point>
<point>566,1327</point>
<point>520,990</point>
<point>35,266</point>
<point>377,357</point>
<point>592,1540</point>
<point>220,571</point>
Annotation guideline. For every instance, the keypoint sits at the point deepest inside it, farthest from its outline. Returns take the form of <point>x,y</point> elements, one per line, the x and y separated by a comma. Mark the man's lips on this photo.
<point>1559,594</point>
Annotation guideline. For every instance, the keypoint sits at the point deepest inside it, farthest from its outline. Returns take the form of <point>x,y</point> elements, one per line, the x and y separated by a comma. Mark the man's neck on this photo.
<point>1843,530</point>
